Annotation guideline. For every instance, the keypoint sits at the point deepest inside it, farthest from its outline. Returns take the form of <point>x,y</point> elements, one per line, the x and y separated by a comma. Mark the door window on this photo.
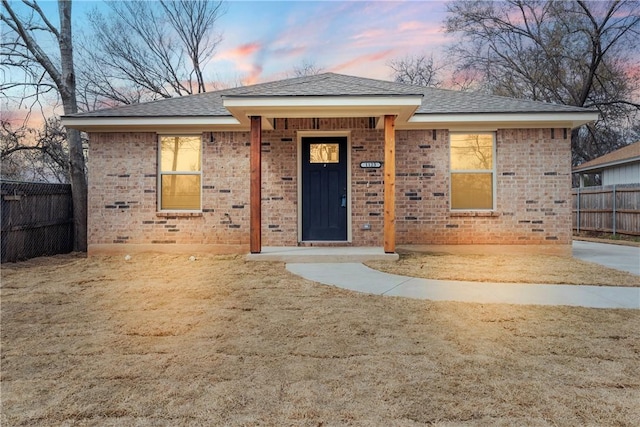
<point>324,153</point>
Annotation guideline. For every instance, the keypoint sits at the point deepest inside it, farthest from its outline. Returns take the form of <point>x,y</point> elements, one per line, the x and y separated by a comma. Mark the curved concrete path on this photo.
<point>360,278</point>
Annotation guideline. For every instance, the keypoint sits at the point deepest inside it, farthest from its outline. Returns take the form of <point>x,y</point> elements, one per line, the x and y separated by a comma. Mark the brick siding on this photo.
<point>533,184</point>
<point>123,192</point>
<point>533,188</point>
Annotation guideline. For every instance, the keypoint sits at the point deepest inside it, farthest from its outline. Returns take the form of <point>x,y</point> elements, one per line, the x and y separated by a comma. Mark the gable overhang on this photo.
<point>494,121</point>
<point>269,108</point>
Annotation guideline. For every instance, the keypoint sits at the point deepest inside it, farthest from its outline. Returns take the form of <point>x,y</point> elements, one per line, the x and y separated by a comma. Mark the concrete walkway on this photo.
<point>620,257</point>
<point>360,278</point>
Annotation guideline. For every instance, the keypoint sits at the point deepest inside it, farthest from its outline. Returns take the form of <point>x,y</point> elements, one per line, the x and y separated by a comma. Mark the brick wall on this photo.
<point>123,187</point>
<point>533,188</point>
<point>279,187</point>
<point>532,191</point>
<point>367,187</point>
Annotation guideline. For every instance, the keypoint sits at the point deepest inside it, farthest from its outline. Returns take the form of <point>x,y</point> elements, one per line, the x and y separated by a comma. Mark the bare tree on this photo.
<point>139,51</point>
<point>568,52</point>
<point>23,49</point>
<point>307,68</point>
<point>13,163</point>
<point>416,70</point>
<point>35,154</point>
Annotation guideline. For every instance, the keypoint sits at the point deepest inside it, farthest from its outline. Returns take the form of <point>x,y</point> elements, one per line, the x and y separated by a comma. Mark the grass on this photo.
<point>512,268</point>
<point>162,341</point>
<point>604,237</point>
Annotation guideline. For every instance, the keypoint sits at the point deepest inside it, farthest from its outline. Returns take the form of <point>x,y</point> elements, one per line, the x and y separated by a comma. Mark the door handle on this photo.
<point>343,201</point>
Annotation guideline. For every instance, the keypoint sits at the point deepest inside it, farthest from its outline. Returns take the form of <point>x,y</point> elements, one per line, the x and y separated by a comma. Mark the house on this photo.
<point>329,159</point>
<point>621,166</point>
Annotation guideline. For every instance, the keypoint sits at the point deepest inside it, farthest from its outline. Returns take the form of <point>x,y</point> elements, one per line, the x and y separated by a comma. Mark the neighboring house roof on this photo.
<point>625,155</point>
<point>328,93</point>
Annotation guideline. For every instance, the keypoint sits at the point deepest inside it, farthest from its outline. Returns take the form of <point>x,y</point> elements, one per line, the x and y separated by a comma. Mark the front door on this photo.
<point>324,188</point>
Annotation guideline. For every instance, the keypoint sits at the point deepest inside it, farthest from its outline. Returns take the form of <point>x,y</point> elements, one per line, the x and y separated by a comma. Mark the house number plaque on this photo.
<point>370,165</point>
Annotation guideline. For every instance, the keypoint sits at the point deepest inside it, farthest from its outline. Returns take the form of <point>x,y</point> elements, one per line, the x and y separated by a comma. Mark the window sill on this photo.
<point>475,214</point>
<point>178,214</point>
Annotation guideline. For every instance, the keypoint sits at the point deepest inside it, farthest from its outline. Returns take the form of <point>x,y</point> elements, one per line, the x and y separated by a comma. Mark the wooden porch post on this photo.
<point>255,192</point>
<point>389,184</point>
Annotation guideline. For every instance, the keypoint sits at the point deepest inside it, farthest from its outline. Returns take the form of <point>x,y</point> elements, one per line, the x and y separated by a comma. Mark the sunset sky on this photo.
<point>264,40</point>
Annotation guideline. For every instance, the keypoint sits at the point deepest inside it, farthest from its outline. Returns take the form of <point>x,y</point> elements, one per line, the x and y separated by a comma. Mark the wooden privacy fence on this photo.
<point>37,219</point>
<point>611,209</point>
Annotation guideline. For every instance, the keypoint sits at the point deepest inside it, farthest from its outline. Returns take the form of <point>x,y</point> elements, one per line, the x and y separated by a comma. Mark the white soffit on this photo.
<point>501,120</point>
<point>152,124</point>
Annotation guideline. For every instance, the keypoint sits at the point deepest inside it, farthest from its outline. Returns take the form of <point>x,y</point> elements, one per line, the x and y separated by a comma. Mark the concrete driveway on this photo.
<point>620,257</point>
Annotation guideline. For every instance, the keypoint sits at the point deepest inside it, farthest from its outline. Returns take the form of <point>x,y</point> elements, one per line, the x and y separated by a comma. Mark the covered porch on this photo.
<point>265,113</point>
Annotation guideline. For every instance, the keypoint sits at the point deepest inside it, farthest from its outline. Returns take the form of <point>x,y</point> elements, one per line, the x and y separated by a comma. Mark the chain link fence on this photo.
<point>37,220</point>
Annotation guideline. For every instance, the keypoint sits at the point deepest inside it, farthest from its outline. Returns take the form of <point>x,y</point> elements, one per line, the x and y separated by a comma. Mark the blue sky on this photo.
<point>264,40</point>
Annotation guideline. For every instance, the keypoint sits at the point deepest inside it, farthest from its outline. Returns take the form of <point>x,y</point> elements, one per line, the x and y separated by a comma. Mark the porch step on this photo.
<point>322,254</point>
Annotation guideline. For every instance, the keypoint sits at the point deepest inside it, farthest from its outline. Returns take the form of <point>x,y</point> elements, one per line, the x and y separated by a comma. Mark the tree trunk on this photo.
<point>65,81</point>
<point>70,105</point>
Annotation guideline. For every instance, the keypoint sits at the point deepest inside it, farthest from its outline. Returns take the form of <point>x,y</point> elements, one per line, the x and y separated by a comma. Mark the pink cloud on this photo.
<point>254,75</point>
<point>404,37</point>
<point>370,34</point>
<point>241,51</point>
<point>366,58</point>
<point>412,26</point>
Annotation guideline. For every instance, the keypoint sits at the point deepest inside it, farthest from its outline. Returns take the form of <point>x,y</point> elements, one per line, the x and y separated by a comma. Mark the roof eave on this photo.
<point>606,165</point>
<point>403,107</point>
<point>151,124</point>
<point>488,121</point>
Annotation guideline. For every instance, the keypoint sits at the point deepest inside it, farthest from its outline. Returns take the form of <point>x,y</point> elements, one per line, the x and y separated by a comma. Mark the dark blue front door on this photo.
<point>324,188</point>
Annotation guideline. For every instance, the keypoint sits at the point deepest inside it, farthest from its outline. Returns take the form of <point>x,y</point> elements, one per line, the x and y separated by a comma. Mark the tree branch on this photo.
<point>40,56</point>
<point>49,27</point>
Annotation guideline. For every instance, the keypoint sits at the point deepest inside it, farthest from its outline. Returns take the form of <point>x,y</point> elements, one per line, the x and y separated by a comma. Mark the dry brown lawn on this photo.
<point>512,268</point>
<point>162,341</point>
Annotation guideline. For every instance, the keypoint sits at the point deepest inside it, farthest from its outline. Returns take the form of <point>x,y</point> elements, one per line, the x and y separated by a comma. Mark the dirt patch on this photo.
<point>513,268</point>
<point>164,341</point>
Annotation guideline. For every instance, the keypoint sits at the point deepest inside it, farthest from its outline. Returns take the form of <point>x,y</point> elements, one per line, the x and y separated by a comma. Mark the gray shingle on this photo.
<point>435,101</point>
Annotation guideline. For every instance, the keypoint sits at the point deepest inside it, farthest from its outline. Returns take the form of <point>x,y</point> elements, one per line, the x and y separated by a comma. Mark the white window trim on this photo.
<point>485,171</point>
<point>160,173</point>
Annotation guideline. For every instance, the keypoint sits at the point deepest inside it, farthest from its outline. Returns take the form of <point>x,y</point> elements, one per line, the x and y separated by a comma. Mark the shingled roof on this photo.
<point>434,101</point>
<point>624,155</point>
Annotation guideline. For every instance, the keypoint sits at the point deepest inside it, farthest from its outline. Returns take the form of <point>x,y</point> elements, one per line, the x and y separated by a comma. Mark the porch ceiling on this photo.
<point>242,108</point>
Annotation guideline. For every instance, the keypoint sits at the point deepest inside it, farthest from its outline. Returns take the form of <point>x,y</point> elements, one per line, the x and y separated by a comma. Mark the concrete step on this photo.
<point>322,254</point>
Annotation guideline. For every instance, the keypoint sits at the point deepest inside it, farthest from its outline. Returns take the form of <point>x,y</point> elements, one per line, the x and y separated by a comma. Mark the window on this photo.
<point>472,170</point>
<point>180,174</point>
<point>324,153</point>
